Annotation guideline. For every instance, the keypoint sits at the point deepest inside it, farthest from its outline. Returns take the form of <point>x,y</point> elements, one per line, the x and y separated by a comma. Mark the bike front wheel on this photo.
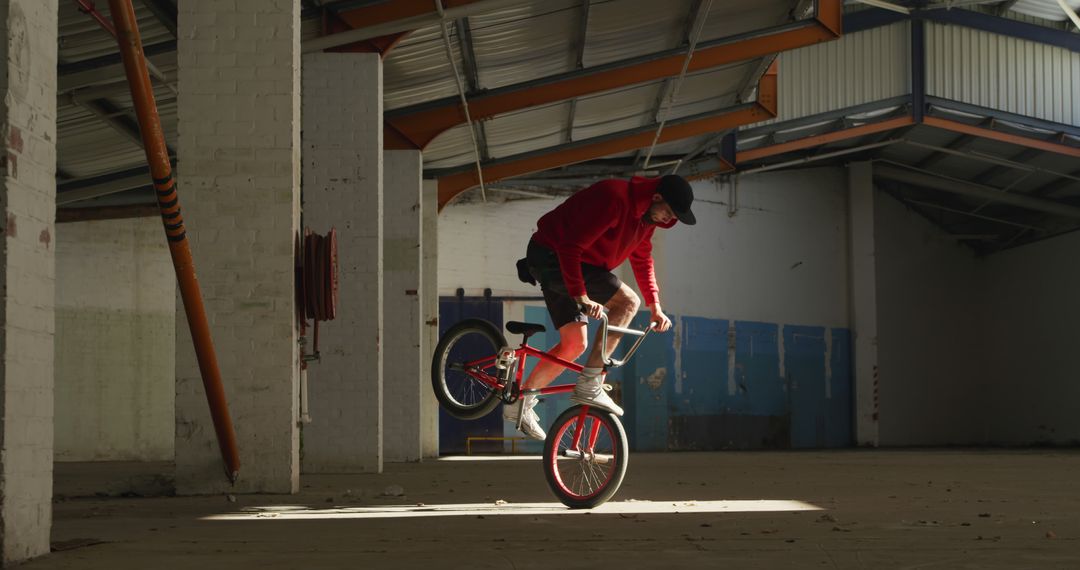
<point>585,456</point>
<point>463,372</point>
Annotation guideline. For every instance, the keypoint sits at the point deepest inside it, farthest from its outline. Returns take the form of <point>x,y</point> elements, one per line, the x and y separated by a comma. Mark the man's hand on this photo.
<point>659,319</point>
<point>591,308</point>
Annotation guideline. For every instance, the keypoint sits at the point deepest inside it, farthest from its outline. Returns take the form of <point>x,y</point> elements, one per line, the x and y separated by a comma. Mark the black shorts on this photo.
<point>600,284</point>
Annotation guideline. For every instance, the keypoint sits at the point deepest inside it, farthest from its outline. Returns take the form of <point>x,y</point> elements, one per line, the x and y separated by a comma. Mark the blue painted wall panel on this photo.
<point>804,365</point>
<point>809,405</point>
<point>648,381</point>
<point>703,370</point>
<point>840,406</point>
<point>759,389</point>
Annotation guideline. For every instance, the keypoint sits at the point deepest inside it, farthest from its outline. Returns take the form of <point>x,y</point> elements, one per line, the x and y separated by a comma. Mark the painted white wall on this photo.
<point>928,332</point>
<point>1029,343</point>
<point>781,258</point>
<point>479,243</point>
<point>115,339</point>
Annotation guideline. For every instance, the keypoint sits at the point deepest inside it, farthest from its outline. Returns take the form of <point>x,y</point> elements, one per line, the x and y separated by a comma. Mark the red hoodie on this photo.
<point>602,225</point>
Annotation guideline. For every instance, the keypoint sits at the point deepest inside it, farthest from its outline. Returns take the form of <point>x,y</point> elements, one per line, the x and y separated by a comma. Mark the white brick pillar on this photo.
<point>27,272</point>
<point>403,377</point>
<point>239,181</point>
<point>863,286</point>
<point>429,292</point>
<point>343,181</point>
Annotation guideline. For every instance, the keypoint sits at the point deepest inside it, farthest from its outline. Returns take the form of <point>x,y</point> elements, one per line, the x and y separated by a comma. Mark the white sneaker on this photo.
<point>590,392</point>
<point>530,424</point>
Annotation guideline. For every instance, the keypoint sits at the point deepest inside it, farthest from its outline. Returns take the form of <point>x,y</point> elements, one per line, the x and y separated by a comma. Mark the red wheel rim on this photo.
<point>584,475</point>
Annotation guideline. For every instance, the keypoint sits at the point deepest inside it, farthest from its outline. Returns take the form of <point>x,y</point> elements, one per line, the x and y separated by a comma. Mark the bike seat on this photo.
<point>526,329</point>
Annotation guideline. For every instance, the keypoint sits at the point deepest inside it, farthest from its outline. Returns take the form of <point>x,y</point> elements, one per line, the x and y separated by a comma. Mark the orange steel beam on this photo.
<point>764,109</point>
<point>157,155</point>
<point>1020,140</point>
<point>418,125</point>
<point>817,140</point>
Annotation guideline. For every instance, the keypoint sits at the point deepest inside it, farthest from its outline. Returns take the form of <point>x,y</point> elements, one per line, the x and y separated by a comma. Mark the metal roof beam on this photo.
<point>416,126</point>
<point>165,12</point>
<point>1005,7</point>
<point>979,191</point>
<point>110,115</point>
<point>579,63</point>
<point>388,18</point>
<point>472,77</point>
<point>1033,122</point>
<point>1054,187</point>
<point>958,143</point>
<point>1029,142</point>
<point>818,140</point>
<point>1025,155</point>
<point>694,17</point>
<point>455,181</point>
<point>85,188</point>
<point>111,59</point>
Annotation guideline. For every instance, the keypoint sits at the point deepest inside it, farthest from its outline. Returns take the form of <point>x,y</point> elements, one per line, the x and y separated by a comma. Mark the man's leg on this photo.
<point>571,345</point>
<point>572,340</point>
<point>589,390</point>
<point>621,310</point>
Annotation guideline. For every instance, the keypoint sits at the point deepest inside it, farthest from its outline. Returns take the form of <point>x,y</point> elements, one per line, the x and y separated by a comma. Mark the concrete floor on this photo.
<point>879,509</point>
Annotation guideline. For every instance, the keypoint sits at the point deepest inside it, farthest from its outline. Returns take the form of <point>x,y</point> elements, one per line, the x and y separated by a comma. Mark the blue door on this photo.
<point>452,431</point>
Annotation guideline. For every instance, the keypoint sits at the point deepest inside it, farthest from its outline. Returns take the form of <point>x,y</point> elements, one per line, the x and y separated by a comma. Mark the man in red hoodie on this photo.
<point>572,254</point>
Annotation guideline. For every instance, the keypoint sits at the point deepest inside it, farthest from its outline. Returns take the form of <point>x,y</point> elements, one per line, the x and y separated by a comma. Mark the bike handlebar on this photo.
<point>605,327</point>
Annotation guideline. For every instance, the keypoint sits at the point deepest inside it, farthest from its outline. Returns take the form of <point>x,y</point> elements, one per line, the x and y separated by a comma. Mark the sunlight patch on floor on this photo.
<point>296,512</point>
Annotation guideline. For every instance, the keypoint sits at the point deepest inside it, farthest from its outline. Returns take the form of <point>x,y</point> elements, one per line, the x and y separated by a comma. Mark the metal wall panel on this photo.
<point>858,68</point>
<point>1007,74</point>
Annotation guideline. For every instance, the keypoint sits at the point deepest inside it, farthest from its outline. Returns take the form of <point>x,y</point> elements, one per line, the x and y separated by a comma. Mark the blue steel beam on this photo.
<point>918,70</point>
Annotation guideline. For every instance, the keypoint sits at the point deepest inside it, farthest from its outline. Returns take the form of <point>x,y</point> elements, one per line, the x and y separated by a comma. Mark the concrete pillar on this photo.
<point>403,375</point>
<point>239,183</point>
<point>863,284</point>
<point>27,274</point>
<point>429,291</point>
<point>343,181</point>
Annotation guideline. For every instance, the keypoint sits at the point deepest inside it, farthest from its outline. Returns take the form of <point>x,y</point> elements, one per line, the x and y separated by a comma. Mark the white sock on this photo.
<point>591,372</point>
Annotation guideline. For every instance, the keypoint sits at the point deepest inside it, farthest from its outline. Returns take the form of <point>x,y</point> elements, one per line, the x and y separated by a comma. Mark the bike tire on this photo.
<point>611,442</point>
<point>484,339</point>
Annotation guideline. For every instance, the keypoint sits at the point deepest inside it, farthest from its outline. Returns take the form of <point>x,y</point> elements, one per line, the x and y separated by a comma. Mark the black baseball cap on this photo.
<point>676,191</point>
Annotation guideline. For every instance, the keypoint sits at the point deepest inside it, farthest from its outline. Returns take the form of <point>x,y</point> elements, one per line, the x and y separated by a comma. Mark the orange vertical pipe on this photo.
<point>157,155</point>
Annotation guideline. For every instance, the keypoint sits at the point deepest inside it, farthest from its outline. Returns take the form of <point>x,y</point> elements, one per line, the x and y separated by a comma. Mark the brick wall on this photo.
<point>429,274</point>
<point>115,341</point>
<point>28,206</point>
<point>404,364</point>
<point>238,154</point>
<point>343,176</point>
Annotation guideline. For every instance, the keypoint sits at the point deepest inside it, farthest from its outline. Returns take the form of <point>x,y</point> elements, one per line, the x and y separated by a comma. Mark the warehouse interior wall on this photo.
<point>764,319</point>
<point>115,341</point>
<point>1029,375</point>
<point>929,322</point>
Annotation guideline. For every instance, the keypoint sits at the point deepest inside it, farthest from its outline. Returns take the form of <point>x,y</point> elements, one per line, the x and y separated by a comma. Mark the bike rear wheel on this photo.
<point>468,349</point>
<point>585,456</point>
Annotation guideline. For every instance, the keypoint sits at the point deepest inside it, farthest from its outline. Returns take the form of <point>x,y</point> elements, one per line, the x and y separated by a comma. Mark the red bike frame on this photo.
<point>477,369</point>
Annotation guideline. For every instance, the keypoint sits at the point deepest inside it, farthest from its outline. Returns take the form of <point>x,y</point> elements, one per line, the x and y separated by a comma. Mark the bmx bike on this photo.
<point>586,451</point>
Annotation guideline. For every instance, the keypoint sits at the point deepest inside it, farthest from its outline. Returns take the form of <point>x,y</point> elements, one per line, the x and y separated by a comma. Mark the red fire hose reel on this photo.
<point>316,282</point>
